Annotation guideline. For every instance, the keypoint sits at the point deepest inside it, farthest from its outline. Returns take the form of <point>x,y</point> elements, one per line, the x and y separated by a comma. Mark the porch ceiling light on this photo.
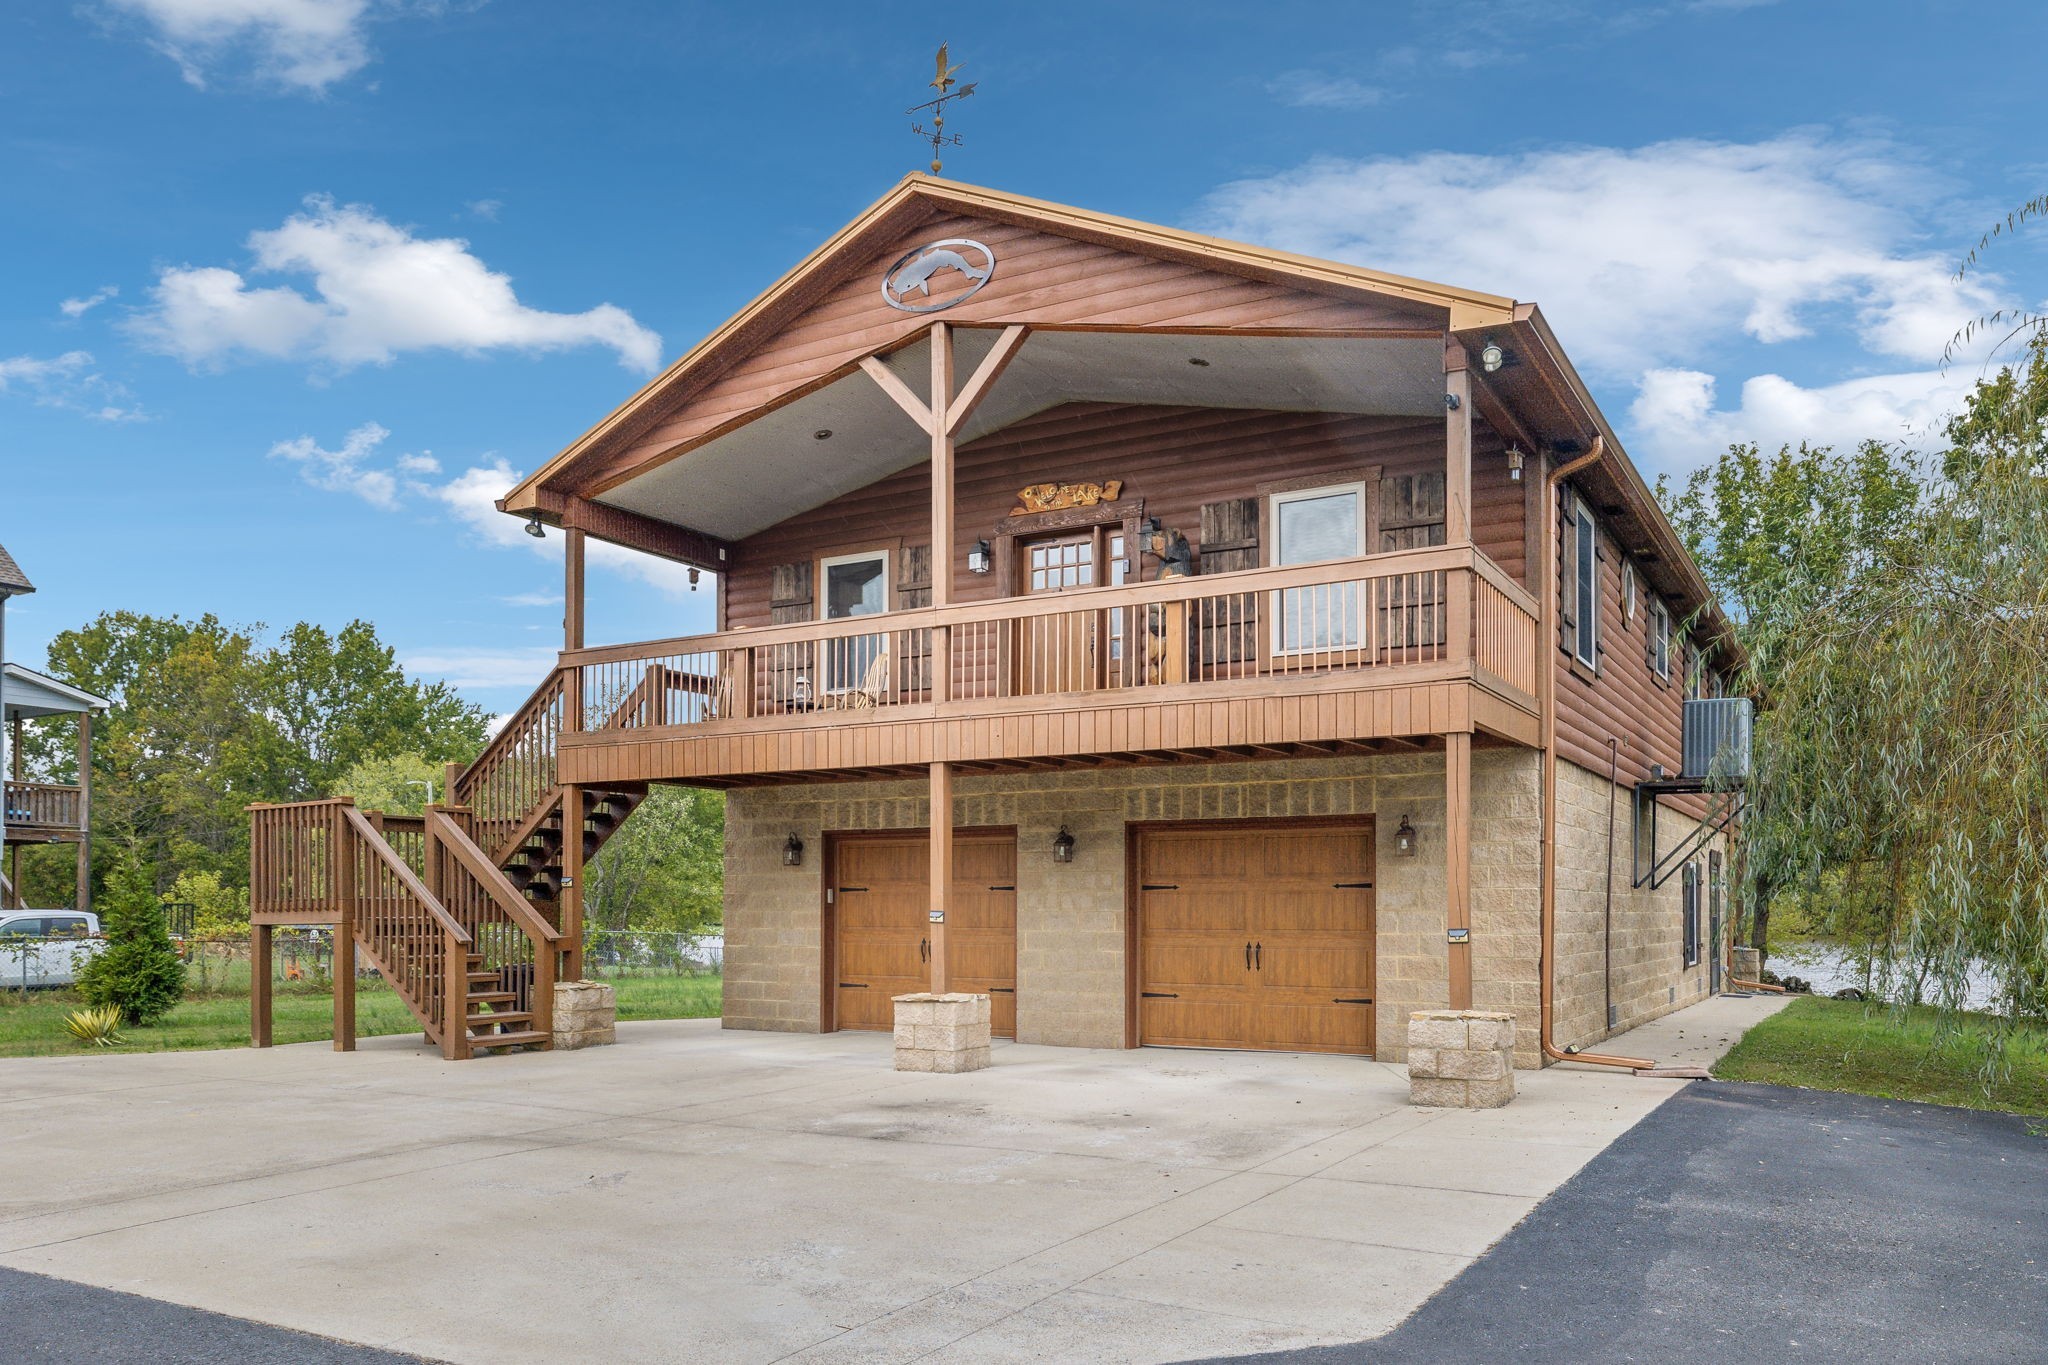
<point>1515,458</point>
<point>792,851</point>
<point>534,528</point>
<point>1198,362</point>
<point>1492,357</point>
<point>978,559</point>
<point>822,434</point>
<point>1404,839</point>
<point>1063,846</point>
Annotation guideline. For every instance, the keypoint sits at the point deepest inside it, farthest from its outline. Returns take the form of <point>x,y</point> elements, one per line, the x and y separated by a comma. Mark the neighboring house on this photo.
<point>1292,644</point>
<point>40,812</point>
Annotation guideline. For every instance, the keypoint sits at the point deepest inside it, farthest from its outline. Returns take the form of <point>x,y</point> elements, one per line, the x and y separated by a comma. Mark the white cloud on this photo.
<point>486,209</point>
<point>471,497</point>
<point>68,381</point>
<point>1644,256</point>
<point>377,291</point>
<point>422,463</point>
<point>78,308</point>
<point>533,599</point>
<point>1677,412</point>
<point>343,470</point>
<point>1315,90</point>
<point>303,45</point>
<point>482,667</point>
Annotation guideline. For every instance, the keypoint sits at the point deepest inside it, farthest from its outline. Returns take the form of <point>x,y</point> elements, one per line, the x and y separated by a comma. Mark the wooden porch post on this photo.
<point>942,669</point>
<point>259,985</point>
<point>341,852</point>
<point>572,883</point>
<point>1457,445</point>
<point>942,868</point>
<point>1458,863</point>
<point>572,588</point>
<point>84,889</point>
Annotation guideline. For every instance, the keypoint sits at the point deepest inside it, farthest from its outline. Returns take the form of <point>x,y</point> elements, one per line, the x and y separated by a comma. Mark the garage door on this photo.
<point>881,906</point>
<point>1256,937</point>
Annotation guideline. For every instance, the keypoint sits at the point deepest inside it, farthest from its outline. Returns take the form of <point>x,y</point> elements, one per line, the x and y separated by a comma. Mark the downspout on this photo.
<point>1546,681</point>
<point>1607,911</point>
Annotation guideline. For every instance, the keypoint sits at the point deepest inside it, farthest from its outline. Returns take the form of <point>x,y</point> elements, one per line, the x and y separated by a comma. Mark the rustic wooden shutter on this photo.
<point>914,589</point>
<point>790,600</point>
<point>1227,627</point>
<point>1412,517</point>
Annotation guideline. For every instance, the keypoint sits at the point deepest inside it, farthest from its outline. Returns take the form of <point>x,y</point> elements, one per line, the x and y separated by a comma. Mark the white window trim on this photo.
<point>1660,640</point>
<point>1273,504</point>
<point>1586,605</point>
<point>840,686</point>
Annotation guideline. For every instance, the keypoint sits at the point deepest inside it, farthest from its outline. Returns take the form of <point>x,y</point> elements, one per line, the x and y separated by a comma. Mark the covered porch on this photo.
<point>40,812</point>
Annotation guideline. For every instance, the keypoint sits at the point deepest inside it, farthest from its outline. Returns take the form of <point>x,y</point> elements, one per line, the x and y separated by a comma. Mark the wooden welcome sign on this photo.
<point>1052,497</point>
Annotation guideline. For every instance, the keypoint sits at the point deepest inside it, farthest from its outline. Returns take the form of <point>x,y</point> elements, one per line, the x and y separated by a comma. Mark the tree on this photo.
<point>138,971</point>
<point>664,869</point>
<point>396,784</point>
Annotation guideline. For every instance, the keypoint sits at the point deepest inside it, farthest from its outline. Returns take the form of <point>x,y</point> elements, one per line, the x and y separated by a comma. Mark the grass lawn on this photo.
<point>1865,1049</point>
<point>33,1025</point>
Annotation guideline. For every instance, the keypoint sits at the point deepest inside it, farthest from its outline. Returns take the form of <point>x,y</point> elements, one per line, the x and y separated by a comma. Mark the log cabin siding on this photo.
<point>1173,460</point>
<point>1040,278</point>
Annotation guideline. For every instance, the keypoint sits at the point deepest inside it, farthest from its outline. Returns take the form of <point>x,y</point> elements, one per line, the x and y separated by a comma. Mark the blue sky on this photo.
<point>291,283</point>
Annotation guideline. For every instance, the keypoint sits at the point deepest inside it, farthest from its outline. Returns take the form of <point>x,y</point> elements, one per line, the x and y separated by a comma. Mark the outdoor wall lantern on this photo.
<point>534,528</point>
<point>694,576</point>
<point>1515,458</point>
<point>978,559</point>
<point>1404,839</point>
<point>1492,357</point>
<point>1063,846</point>
<point>792,851</point>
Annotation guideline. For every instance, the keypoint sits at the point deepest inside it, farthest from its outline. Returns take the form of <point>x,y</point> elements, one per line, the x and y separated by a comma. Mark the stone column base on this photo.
<point>586,1015</point>
<point>1461,1059</point>
<point>946,1033</point>
<point>1745,964</point>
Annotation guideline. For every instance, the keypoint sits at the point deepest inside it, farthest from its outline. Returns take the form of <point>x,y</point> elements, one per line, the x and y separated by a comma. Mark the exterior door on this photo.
<point>882,927</point>
<point>1256,936</point>
<point>1057,653</point>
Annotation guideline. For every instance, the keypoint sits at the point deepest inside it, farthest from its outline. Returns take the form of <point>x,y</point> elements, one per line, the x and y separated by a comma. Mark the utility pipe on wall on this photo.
<point>1546,680</point>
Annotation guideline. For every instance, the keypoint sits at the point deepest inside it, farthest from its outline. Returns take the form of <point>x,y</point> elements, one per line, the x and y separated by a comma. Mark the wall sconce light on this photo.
<point>792,851</point>
<point>1404,839</point>
<point>1063,846</point>
<point>1492,357</point>
<point>1515,458</point>
<point>979,559</point>
<point>534,528</point>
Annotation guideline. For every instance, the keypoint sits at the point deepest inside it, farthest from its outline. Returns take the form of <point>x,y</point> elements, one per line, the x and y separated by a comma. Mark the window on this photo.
<point>1586,587</point>
<point>66,926</point>
<point>853,585</point>
<point>1689,914</point>
<point>1628,592</point>
<point>1309,526</point>
<point>1660,640</point>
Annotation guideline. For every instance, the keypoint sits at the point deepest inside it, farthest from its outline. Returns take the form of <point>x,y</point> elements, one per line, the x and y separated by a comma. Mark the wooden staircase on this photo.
<point>463,909</point>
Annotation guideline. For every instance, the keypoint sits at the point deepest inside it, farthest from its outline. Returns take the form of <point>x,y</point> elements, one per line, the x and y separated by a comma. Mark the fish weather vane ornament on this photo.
<point>937,134</point>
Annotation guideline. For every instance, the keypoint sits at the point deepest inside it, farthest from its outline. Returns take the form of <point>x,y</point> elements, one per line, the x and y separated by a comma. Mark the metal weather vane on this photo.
<point>937,134</point>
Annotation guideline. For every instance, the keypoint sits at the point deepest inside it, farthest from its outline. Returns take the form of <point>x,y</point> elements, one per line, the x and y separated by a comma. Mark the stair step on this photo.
<point>483,976</point>
<point>526,1038</point>
<point>491,997</point>
<point>500,1017</point>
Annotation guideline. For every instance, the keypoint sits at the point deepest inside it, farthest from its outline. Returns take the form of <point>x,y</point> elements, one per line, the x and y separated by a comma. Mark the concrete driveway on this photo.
<point>694,1194</point>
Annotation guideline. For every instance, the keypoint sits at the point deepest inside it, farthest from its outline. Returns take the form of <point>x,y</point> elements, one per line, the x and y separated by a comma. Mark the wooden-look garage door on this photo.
<point>881,906</point>
<point>1256,937</point>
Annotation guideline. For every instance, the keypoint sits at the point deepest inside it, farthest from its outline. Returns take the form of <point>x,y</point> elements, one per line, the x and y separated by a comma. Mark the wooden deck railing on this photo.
<point>511,937</point>
<point>44,805</point>
<point>516,771</point>
<point>1412,607</point>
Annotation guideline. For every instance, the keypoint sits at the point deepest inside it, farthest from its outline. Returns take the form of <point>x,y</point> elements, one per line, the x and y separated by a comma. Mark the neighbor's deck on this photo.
<point>44,812</point>
<point>1268,662</point>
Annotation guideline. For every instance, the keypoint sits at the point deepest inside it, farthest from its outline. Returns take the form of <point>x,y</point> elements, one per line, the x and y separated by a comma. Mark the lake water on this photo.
<point>1832,968</point>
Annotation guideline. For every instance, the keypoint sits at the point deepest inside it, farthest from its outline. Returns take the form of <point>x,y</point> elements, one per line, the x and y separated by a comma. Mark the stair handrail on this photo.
<point>528,724</point>
<point>407,878</point>
<point>489,876</point>
<point>449,842</point>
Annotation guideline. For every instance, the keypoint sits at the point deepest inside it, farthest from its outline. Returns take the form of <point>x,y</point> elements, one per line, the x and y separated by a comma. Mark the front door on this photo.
<point>1057,653</point>
<point>882,927</point>
<point>1256,936</point>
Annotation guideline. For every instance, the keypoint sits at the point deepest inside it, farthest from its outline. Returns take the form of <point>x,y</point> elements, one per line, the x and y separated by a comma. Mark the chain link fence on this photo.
<point>609,954</point>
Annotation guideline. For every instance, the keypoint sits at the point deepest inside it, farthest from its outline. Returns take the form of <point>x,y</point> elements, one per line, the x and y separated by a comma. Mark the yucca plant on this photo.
<point>98,1027</point>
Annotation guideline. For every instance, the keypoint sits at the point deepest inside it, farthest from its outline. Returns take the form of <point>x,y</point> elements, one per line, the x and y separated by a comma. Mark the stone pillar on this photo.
<point>1745,964</point>
<point>941,1032</point>
<point>586,1015</point>
<point>1461,1059</point>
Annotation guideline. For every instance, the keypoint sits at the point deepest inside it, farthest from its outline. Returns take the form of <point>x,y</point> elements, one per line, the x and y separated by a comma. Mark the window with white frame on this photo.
<point>1586,586</point>
<point>1311,525</point>
<point>1660,640</point>
<point>853,585</point>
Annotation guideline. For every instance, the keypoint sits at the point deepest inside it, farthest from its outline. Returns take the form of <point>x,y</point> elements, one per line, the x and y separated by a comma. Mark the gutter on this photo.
<point>1546,680</point>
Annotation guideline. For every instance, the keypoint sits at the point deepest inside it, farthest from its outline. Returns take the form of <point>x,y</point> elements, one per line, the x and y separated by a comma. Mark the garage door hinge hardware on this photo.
<point>1362,1000</point>
<point>1159,995</point>
<point>853,888</point>
<point>1002,990</point>
<point>1002,888</point>
<point>1160,886</point>
<point>853,985</point>
<point>1354,886</point>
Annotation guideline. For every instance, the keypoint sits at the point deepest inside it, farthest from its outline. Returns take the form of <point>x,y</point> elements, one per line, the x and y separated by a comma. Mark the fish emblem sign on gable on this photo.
<point>930,277</point>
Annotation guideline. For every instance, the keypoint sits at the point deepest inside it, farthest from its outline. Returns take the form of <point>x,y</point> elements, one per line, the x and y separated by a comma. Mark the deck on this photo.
<point>1273,662</point>
<point>44,812</point>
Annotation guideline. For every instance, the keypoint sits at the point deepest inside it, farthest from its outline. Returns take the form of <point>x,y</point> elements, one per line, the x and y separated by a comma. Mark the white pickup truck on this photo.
<point>45,948</point>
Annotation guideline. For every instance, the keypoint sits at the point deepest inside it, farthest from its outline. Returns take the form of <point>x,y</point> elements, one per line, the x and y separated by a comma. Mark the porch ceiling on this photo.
<point>774,467</point>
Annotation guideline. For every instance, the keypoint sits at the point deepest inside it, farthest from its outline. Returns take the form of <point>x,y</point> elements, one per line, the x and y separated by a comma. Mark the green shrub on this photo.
<point>138,972</point>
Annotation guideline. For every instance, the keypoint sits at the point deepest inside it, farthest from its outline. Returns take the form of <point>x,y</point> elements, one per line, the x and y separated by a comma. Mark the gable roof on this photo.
<point>12,580</point>
<point>27,693</point>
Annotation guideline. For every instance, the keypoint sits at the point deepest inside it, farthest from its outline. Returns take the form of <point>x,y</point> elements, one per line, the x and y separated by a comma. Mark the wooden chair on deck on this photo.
<point>874,685</point>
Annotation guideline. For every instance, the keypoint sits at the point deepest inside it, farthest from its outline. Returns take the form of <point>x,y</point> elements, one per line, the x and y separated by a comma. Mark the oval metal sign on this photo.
<point>922,280</point>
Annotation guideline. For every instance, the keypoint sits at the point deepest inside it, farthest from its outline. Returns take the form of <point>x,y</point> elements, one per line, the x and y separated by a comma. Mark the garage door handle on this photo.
<point>1362,1000</point>
<point>1247,955</point>
<point>1160,886</point>
<point>1259,956</point>
<point>1354,886</point>
<point>924,950</point>
<point>1159,995</point>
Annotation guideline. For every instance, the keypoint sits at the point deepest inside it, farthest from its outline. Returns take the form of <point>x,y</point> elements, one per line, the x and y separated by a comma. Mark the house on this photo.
<point>41,812</point>
<point>1291,644</point>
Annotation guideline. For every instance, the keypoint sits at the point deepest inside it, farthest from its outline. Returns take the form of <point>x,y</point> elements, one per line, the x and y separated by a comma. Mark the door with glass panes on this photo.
<point>1070,651</point>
